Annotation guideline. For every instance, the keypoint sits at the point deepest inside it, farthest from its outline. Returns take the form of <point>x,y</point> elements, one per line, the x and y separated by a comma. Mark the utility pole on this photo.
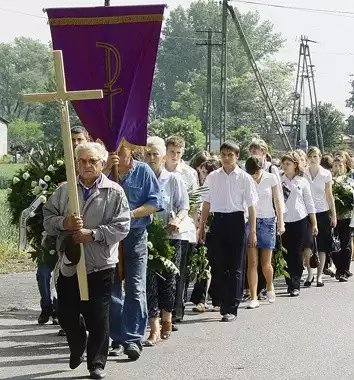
<point>223,87</point>
<point>107,3</point>
<point>209,101</point>
<point>305,72</point>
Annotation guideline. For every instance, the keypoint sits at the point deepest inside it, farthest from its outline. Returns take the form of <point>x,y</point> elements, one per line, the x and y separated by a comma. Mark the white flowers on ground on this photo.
<point>151,257</point>
<point>34,183</point>
<point>43,199</point>
<point>15,180</point>
<point>60,162</point>
<point>149,245</point>
<point>25,176</point>
<point>47,178</point>
<point>51,168</point>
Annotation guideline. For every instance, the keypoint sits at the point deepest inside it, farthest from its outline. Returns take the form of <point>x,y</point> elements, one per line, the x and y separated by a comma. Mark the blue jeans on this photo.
<point>128,319</point>
<point>43,276</point>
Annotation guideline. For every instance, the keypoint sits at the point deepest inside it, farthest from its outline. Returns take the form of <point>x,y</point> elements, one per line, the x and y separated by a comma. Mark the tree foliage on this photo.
<point>243,136</point>
<point>24,135</point>
<point>24,67</point>
<point>190,129</point>
<point>333,126</point>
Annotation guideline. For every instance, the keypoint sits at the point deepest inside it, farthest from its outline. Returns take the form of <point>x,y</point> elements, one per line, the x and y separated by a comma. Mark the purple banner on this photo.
<point>113,49</point>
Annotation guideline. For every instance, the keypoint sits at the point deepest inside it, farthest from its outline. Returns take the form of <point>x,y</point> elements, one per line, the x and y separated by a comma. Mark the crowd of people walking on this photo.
<point>246,211</point>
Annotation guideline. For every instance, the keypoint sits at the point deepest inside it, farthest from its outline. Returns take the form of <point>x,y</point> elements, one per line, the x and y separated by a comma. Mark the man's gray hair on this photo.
<point>158,143</point>
<point>97,149</point>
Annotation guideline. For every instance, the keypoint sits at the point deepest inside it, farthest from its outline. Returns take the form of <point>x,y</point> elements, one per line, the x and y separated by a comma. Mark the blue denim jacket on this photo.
<point>141,187</point>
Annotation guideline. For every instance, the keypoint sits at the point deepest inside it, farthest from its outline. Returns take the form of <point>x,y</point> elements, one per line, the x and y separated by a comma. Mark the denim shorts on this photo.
<point>266,232</point>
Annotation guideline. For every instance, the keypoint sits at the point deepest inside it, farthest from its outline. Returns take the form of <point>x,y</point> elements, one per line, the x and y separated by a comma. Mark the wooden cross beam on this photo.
<point>63,96</point>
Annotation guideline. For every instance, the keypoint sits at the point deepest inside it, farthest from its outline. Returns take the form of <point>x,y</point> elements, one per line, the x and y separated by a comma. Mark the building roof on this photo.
<point>4,120</point>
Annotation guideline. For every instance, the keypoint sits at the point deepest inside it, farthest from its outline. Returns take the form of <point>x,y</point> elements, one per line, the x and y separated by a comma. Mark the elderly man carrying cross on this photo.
<point>104,222</point>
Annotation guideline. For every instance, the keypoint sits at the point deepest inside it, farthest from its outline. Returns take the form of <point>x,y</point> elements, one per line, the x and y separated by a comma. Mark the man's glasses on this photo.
<point>91,161</point>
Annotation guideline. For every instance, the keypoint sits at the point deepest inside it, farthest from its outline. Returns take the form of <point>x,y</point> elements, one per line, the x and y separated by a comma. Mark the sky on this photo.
<point>332,55</point>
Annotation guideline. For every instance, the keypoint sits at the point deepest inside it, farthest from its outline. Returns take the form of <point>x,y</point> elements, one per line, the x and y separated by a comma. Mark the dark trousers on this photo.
<point>43,276</point>
<point>178,310</point>
<point>161,291</point>
<point>294,240</point>
<point>76,316</point>
<point>343,258</point>
<point>227,236</point>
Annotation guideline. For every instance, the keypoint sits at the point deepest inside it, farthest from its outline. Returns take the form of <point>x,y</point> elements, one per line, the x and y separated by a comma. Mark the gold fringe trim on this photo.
<point>81,21</point>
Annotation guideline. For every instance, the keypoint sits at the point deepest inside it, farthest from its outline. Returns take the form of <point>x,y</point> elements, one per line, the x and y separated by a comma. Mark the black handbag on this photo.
<point>315,258</point>
<point>335,242</point>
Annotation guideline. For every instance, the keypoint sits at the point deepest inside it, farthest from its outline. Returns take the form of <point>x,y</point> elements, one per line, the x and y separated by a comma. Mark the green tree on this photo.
<point>350,125</point>
<point>190,129</point>
<point>24,135</point>
<point>243,136</point>
<point>25,65</point>
<point>333,126</point>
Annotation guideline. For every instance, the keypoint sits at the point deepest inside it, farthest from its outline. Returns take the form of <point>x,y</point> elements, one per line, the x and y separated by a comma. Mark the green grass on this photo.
<point>7,171</point>
<point>11,259</point>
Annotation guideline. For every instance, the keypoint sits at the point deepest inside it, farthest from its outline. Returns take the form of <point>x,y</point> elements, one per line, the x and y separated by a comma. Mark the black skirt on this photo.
<point>324,231</point>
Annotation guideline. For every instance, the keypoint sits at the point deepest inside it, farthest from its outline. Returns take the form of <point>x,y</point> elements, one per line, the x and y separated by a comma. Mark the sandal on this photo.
<point>200,308</point>
<point>152,340</point>
<point>166,330</point>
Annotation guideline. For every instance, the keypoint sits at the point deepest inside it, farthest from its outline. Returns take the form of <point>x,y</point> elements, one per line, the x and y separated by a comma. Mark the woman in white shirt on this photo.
<point>320,181</point>
<point>299,206</point>
<point>270,204</point>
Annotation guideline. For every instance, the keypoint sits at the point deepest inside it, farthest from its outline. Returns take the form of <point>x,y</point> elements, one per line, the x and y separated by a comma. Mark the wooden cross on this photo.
<point>63,96</point>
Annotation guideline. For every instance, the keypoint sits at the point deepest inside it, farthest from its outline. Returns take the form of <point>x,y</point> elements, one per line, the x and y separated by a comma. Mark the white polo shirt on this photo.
<point>230,192</point>
<point>299,202</point>
<point>264,188</point>
<point>318,187</point>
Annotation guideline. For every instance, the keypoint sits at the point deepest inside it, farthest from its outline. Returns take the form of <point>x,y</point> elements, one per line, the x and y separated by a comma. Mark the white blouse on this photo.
<point>264,207</point>
<point>298,198</point>
<point>318,187</point>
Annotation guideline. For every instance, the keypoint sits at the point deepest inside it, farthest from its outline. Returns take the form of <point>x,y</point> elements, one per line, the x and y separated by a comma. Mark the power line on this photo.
<point>22,13</point>
<point>302,9</point>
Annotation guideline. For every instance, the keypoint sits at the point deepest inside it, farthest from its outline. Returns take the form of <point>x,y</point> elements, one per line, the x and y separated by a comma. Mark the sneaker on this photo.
<point>343,278</point>
<point>271,296</point>
<point>295,293</point>
<point>228,318</point>
<point>44,317</point>
<point>253,304</point>
<point>116,351</point>
<point>133,351</point>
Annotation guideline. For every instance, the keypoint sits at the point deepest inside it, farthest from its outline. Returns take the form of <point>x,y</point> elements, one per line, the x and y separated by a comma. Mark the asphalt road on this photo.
<point>310,338</point>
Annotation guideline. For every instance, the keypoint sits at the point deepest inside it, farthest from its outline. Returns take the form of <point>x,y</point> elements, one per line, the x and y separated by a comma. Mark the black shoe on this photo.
<point>133,351</point>
<point>228,318</point>
<point>97,373</point>
<point>174,327</point>
<point>75,361</point>
<point>295,293</point>
<point>44,316</point>
<point>307,284</point>
<point>61,332</point>
<point>328,272</point>
<point>116,351</point>
<point>343,278</point>
<point>320,284</point>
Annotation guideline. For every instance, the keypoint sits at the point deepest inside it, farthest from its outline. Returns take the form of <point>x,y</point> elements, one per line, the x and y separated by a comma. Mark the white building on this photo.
<point>3,136</point>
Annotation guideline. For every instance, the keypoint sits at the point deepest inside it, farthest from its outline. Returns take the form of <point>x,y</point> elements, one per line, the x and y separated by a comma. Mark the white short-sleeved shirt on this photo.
<point>230,192</point>
<point>318,187</point>
<point>299,202</point>
<point>264,207</point>
<point>189,175</point>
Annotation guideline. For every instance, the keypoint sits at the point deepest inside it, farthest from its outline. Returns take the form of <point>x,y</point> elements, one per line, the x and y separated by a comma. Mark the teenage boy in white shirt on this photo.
<point>231,194</point>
